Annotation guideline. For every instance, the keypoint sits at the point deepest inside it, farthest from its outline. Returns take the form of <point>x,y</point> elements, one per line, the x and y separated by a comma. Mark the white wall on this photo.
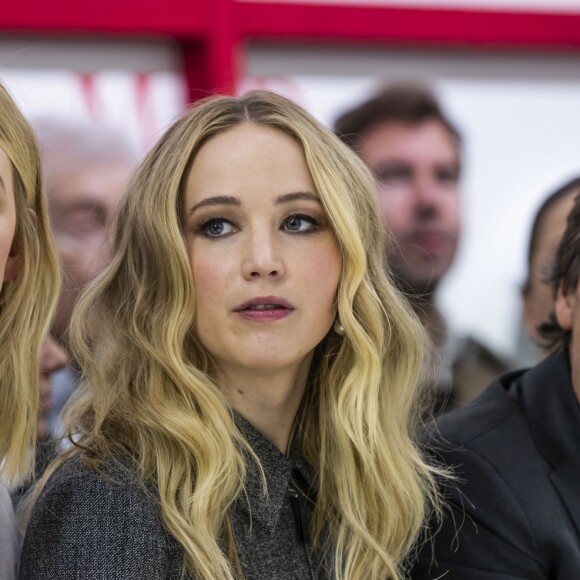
<point>134,85</point>
<point>520,115</point>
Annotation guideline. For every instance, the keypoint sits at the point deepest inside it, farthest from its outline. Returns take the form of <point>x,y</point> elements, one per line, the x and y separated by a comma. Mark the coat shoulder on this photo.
<point>487,418</point>
<point>105,521</point>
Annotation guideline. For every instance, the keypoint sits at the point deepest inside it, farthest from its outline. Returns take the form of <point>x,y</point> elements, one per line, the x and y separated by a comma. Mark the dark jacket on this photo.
<point>514,511</point>
<point>93,526</point>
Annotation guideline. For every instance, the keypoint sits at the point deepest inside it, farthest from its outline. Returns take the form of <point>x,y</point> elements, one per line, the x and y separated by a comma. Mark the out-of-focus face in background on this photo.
<point>86,169</point>
<point>52,358</point>
<point>83,200</point>
<point>418,168</point>
<point>538,301</point>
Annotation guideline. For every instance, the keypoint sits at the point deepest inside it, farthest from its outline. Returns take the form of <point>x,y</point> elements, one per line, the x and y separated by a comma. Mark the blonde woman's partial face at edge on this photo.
<point>265,262</point>
<point>8,257</point>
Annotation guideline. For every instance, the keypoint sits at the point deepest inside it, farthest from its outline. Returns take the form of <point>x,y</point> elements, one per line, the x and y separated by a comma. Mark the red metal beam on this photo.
<point>211,31</point>
<point>177,18</point>
<point>196,19</point>
<point>211,62</point>
<point>385,24</point>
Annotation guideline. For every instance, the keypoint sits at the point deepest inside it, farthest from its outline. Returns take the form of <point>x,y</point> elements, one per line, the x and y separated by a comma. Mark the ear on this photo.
<point>527,312</point>
<point>564,307</point>
<point>12,263</point>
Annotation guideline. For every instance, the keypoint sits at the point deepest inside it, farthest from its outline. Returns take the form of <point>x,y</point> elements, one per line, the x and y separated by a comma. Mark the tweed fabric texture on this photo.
<point>107,526</point>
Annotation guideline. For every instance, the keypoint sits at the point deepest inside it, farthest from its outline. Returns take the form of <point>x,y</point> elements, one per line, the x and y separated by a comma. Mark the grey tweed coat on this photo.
<point>95,526</point>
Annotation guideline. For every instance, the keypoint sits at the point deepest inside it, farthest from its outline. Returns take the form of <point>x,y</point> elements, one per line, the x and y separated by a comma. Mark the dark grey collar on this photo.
<point>278,469</point>
<point>552,408</point>
<point>554,416</point>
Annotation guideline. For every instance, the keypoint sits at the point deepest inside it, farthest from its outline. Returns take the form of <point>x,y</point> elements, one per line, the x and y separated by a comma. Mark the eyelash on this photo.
<point>203,228</point>
<point>315,226</point>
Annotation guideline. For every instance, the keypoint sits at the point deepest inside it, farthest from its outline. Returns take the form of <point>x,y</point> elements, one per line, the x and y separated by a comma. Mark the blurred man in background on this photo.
<point>86,167</point>
<point>512,509</point>
<point>414,150</point>
<point>53,360</point>
<point>547,229</point>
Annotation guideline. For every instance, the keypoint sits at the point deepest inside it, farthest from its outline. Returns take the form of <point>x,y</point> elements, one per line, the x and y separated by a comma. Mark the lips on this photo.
<point>432,242</point>
<point>264,308</point>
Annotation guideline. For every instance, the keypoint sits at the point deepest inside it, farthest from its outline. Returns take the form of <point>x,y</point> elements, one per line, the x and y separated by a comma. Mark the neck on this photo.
<point>268,400</point>
<point>422,299</point>
<point>432,320</point>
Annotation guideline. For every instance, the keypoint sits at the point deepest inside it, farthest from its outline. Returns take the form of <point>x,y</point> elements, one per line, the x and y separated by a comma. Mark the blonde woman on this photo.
<point>250,372</point>
<point>29,287</point>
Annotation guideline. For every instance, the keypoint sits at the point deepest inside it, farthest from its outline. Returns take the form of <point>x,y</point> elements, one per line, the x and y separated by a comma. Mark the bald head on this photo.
<point>86,167</point>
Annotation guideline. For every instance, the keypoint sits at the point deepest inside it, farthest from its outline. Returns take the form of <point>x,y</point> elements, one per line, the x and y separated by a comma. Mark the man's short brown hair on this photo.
<point>564,275</point>
<point>404,103</point>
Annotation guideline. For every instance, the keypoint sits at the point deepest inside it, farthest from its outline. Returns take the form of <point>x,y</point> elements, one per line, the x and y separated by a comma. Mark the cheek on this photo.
<point>395,211</point>
<point>80,252</point>
<point>452,208</point>
<point>76,264</point>
<point>6,238</point>
<point>7,231</point>
<point>202,279</point>
<point>8,224</point>
<point>210,280</point>
<point>324,274</point>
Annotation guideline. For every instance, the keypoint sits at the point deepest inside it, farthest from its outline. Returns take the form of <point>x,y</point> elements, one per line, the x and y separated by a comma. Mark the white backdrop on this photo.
<point>520,115</point>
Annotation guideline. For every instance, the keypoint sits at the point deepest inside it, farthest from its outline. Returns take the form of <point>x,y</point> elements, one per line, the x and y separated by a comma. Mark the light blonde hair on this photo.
<point>27,302</point>
<point>148,391</point>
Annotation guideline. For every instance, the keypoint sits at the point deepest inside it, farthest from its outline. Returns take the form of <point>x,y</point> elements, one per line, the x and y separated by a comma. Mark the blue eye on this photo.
<point>216,228</point>
<point>300,224</point>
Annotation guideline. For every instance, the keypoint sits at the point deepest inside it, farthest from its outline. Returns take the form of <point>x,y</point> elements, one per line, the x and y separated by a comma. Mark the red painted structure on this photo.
<point>212,33</point>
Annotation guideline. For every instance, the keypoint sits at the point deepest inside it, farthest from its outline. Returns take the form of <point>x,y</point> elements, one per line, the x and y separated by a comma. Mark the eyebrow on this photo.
<point>299,195</point>
<point>231,200</point>
<point>217,200</point>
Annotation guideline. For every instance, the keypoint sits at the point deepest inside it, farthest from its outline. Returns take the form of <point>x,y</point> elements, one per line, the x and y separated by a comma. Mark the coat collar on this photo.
<point>552,409</point>
<point>554,417</point>
<point>266,505</point>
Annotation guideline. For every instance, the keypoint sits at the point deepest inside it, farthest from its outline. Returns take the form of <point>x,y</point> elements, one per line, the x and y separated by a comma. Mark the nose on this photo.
<point>262,257</point>
<point>52,357</point>
<point>427,195</point>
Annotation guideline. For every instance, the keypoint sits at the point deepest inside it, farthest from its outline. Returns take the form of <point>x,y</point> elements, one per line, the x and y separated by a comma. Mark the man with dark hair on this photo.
<point>514,506</point>
<point>547,229</point>
<point>412,147</point>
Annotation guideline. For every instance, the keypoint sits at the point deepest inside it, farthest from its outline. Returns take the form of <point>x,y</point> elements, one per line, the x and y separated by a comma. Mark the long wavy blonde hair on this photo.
<point>148,391</point>
<point>28,301</point>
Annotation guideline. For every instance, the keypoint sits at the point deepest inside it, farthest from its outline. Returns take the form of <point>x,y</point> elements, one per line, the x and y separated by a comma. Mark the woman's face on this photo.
<point>265,261</point>
<point>8,257</point>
